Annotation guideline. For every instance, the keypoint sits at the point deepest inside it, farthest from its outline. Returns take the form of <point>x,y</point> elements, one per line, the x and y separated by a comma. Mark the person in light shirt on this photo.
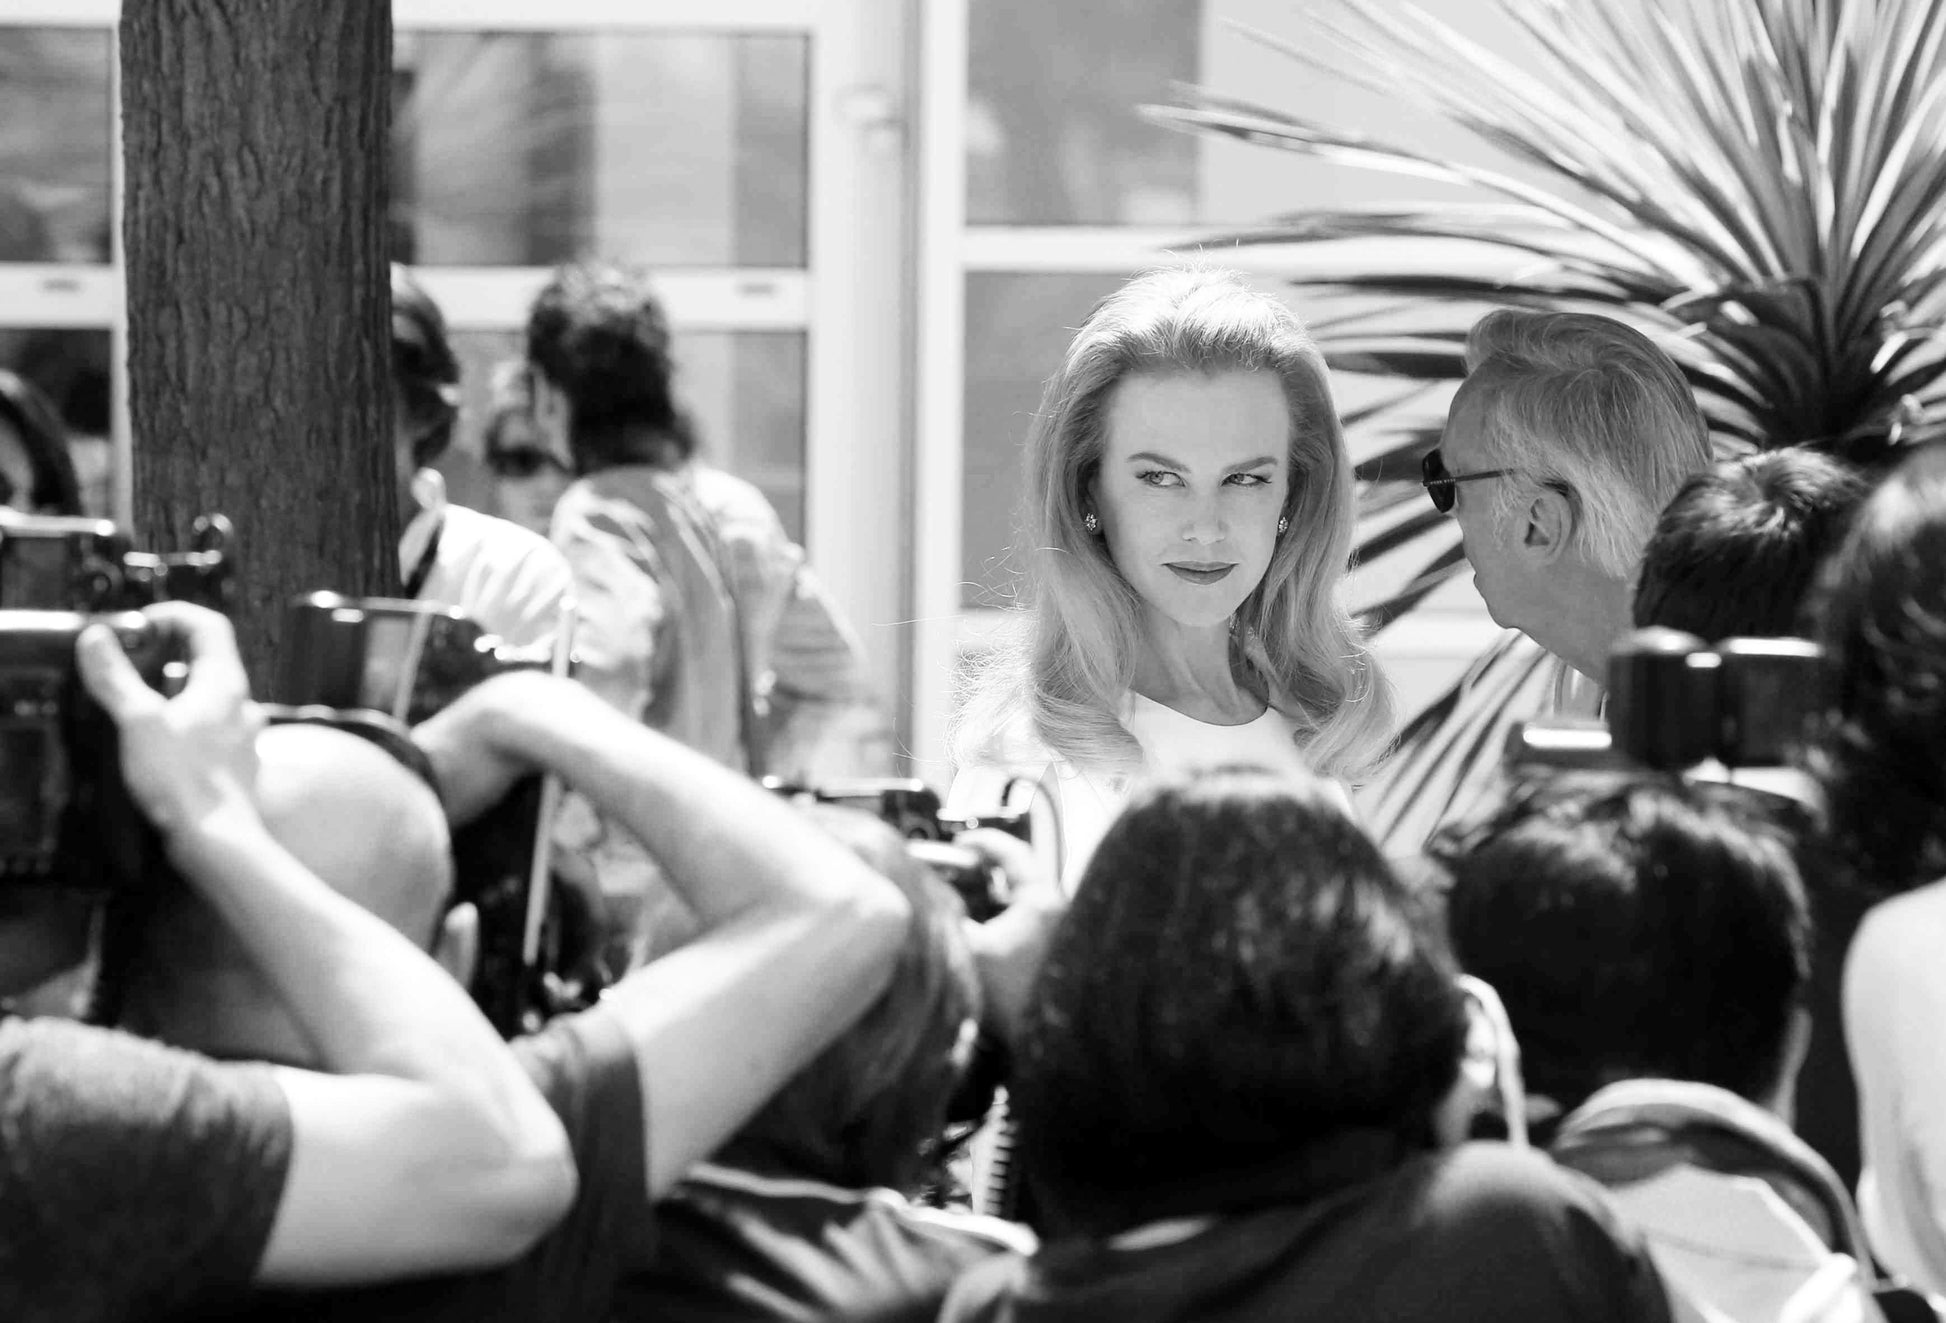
<point>1188,522</point>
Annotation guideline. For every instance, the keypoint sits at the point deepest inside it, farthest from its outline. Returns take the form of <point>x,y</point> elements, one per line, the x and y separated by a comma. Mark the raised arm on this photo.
<point>799,934</point>
<point>428,1149</point>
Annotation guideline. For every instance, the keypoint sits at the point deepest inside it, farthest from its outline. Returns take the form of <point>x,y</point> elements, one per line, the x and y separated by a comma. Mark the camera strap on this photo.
<point>415,582</point>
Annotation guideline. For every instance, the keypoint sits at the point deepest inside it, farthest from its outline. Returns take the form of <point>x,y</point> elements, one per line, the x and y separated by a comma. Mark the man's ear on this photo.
<point>1548,524</point>
<point>457,949</point>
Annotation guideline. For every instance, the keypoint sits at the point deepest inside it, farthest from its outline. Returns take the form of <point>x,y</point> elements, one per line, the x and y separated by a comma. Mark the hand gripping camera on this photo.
<point>66,818</point>
<point>377,666</point>
<point>912,809</point>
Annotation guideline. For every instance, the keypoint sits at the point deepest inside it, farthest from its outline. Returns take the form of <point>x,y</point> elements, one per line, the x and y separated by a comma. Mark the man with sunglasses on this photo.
<point>1569,435</point>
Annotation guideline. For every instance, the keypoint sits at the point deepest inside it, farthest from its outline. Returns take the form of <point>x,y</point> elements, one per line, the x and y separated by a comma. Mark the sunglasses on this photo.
<point>523,462</point>
<point>1440,485</point>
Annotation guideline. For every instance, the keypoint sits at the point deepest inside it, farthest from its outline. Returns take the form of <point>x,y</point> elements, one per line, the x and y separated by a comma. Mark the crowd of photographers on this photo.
<point>1619,1047</point>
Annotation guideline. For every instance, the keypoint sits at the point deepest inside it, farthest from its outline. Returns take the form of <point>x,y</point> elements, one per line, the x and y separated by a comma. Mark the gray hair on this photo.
<point>1592,408</point>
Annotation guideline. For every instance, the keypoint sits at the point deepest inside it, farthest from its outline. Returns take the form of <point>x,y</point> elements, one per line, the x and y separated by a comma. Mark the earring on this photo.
<point>1092,524</point>
<point>1283,524</point>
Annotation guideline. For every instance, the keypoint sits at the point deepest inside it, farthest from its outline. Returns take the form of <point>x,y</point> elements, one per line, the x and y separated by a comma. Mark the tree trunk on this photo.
<point>255,135</point>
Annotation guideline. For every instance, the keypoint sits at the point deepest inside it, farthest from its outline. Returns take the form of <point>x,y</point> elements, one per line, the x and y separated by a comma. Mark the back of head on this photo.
<point>1633,928</point>
<point>1087,617</point>
<point>598,334</point>
<point>1240,978</point>
<point>370,828</point>
<point>1591,407</point>
<point>34,419</point>
<point>863,1113</point>
<point>1880,612</point>
<point>1736,552</point>
<point>425,372</point>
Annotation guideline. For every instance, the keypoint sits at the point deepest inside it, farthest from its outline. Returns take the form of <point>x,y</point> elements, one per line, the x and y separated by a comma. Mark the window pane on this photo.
<point>744,388</point>
<point>528,150</point>
<point>70,367</point>
<point>54,145</point>
<point>1054,137</point>
<point>1017,328</point>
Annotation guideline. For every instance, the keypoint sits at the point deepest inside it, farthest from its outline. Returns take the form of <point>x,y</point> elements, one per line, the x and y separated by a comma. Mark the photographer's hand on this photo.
<point>191,756</point>
<point>426,1147</point>
<point>1008,949</point>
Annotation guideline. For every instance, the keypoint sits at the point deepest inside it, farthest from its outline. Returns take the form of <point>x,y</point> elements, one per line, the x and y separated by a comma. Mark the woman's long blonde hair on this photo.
<point>1069,669</point>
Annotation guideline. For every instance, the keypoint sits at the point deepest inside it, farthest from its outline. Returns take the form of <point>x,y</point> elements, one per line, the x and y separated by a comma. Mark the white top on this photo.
<point>1895,1025</point>
<point>509,580</point>
<point>1076,805</point>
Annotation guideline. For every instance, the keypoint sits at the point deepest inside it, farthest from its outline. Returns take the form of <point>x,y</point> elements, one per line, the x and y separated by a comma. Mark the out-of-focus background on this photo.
<point>875,223</point>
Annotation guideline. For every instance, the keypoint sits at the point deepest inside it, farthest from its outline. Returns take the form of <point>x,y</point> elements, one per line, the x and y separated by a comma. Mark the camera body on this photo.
<point>66,817</point>
<point>913,810</point>
<point>377,666</point>
<point>402,657</point>
<point>1675,702</point>
<point>57,563</point>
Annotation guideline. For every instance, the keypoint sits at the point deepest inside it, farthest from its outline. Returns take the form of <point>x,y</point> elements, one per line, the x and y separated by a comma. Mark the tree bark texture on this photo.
<point>255,143</point>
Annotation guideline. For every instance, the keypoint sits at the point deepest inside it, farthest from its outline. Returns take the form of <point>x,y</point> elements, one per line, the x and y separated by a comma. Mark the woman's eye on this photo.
<point>1250,479</point>
<point>1159,478</point>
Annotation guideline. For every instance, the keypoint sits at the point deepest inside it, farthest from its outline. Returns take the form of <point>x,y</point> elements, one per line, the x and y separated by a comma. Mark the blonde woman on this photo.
<point>1187,528</point>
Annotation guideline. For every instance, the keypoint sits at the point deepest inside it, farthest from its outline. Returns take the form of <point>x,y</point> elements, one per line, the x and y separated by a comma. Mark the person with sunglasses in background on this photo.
<point>1570,434</point>
<point>509,580</point>
<point>528,474</point>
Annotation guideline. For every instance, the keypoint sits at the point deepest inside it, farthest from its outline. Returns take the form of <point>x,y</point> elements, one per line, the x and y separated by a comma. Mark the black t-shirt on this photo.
<point>1485,1232</point>
<point>584,1066</point>
<point>732,1244</point>
<point>136,1182</point>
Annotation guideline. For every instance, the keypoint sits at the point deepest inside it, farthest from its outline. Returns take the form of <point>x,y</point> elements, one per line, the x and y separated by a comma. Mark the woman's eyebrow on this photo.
<point>1151,457</point>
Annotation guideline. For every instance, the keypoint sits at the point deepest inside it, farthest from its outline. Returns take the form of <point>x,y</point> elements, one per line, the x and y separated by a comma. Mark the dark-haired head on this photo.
<point>1634,927</point>
<point>1880,612</point>
<point>865,1112</point>
<point>44,481</point>
<point>598,336</point>
<point>1736,552</point>
<point>1241,979</point>
<point>425,372</point>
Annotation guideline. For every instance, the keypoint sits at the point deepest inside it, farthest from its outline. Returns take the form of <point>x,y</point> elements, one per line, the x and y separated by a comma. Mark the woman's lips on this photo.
<point>1199,573</point>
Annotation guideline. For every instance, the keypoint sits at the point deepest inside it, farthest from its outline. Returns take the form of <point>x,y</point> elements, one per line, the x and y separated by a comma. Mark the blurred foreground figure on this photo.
<point>1881,616</point>
<point>1235,1096</point>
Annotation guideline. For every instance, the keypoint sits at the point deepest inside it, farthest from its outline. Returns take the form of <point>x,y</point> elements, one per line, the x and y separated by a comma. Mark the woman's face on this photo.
<point>16,470</point>
<point>528,477</point>
<point>1193,477</point>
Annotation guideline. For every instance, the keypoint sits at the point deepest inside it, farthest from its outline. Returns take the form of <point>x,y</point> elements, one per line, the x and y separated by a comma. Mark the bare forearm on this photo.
<point>722,841</point>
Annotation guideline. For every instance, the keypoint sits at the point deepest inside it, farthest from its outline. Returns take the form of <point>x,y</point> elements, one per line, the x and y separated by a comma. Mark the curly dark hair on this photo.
<point>600,336</point>
<point>1880,612</point>
<point>1241,976</point>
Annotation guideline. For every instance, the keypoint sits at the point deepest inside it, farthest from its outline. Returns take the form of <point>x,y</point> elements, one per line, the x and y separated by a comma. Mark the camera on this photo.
<point>66,817</point>
<point>58,563</point>
<point>377,666</point>
<point>1675,703</point>
<point>912,809</point>
<point>405,658</point>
